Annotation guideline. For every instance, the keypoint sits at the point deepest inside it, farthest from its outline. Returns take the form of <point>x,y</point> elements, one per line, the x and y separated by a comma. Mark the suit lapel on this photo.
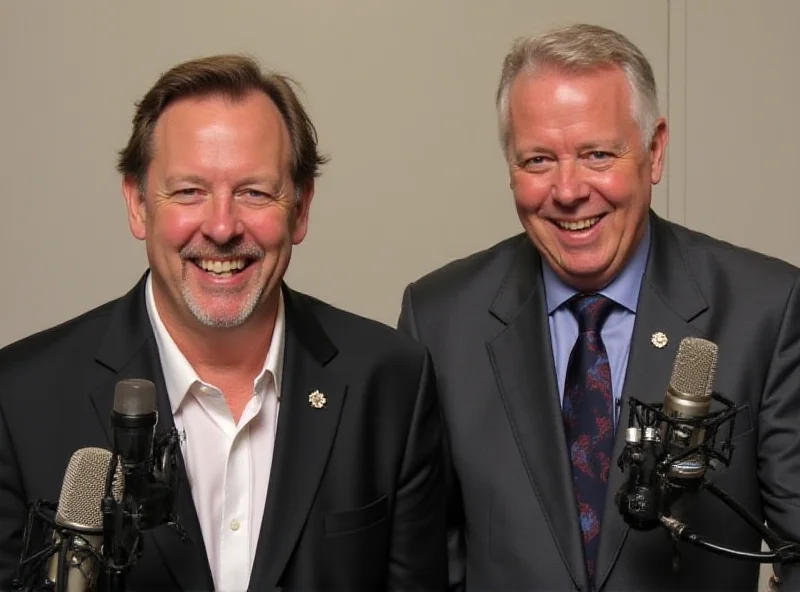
<point>668,303</point>
<point>522,360</point>
<point>129,351</point>
<point>303,441</point>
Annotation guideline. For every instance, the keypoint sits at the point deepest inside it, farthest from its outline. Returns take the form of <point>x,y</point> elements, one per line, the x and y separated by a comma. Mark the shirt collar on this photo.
<point>623,289</point>
<point>179,375</point>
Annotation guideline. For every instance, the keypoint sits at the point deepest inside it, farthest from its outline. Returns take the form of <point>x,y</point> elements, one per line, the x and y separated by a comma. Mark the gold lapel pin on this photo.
<point>659,339</point>
<point>317,400</point>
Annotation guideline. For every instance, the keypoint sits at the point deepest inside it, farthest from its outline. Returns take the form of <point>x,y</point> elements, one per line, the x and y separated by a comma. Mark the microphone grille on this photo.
<point>135,396</point>
<point>81,499</point>
<point>695,367</point>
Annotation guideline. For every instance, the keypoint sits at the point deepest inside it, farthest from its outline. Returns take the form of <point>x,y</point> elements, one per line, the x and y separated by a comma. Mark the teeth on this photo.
<point>223,268</point>
<point>580,224</point>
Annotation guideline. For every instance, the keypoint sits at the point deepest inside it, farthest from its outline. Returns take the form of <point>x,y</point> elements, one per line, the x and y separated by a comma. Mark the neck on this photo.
<point>237,351</point>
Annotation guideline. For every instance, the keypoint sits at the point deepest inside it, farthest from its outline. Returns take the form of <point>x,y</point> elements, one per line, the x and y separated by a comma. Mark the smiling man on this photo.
<point>539,341</point>
<point>311,452</point>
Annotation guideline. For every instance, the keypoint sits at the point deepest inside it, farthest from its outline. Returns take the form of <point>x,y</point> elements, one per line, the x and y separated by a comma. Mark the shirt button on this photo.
<point>235,524</point>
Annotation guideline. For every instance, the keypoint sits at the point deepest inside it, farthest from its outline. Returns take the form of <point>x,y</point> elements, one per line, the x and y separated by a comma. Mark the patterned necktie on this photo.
<point>588,419</point>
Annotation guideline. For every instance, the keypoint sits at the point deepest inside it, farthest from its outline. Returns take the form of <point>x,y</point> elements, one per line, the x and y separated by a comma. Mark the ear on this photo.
<point>134,201</point>
<point>302,208</point>
<point>658,150</point>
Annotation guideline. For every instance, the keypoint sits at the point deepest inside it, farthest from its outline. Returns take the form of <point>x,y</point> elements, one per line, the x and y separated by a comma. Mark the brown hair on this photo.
<point>232,76</point>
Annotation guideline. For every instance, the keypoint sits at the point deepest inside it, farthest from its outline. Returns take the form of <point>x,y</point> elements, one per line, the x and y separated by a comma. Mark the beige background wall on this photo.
<point>402,95</point>
<point>401,92</point>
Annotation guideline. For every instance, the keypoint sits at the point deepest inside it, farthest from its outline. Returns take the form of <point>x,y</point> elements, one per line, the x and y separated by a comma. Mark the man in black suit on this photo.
<point>311,458</point>
<point>579,124</point>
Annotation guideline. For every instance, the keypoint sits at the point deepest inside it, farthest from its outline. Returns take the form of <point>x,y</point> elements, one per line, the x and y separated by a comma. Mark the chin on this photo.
<point>217,320</point>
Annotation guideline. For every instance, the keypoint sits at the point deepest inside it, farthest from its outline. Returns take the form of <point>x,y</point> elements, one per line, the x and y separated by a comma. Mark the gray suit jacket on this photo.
<point>512,511</point>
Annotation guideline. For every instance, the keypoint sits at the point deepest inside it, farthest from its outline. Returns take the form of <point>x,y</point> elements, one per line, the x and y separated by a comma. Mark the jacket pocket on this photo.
<point>358,519</point>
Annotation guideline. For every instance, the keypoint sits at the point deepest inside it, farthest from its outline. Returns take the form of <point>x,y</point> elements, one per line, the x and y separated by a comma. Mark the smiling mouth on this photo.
<point>576,225</point>
<point>222,268</point>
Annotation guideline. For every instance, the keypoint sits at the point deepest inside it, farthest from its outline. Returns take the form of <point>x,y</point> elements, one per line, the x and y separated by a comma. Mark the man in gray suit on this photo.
<point>580,128</point>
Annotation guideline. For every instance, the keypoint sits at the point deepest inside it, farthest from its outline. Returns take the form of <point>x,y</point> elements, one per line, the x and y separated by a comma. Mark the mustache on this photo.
<point>229,251</point>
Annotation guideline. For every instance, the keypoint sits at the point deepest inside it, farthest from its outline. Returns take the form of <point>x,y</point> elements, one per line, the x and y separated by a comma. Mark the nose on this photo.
<point>222,223</point>
<point>569,188</point>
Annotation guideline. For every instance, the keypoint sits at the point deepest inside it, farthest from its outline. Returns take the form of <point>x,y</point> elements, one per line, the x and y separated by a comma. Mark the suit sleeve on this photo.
<point>418,552</point>
<point>456,549</point>
<point>779,437</point>
<point>13,511</point>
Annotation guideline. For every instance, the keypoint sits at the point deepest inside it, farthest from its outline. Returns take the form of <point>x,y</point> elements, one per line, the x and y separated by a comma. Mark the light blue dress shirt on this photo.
<point>618,328</point>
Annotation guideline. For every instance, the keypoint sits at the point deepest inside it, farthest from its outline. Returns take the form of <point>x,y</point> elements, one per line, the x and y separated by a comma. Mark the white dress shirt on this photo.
<point>228,464</point>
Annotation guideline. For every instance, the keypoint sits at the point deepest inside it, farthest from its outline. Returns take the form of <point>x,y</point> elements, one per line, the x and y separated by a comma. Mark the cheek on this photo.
<point>175,226</point>
<point>530,192</point>
<point>271,229</point>
<point>621,190</point>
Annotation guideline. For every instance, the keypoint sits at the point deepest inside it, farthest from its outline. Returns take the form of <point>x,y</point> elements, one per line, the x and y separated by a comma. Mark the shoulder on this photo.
<point>357,336</point>
<point>43,355</point>
<point>479,274</point>
<point>717,261</point>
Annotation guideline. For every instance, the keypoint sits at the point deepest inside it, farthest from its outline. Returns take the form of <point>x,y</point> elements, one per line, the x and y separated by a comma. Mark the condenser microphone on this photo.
<point>668,449</point>
<point>133,421</point>
<point>78,534</point>
<point>688,400</point>
<point>148,463</point>
<point>665,454</point>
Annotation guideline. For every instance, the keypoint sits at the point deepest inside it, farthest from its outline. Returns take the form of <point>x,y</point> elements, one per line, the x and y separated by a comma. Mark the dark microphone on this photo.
<point>148,459</point>
<point>78,530</point>
<point>148,462</point>
<point>133,421</point>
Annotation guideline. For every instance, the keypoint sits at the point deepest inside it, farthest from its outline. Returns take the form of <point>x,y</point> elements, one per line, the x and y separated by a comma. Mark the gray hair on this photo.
<point>575,49</point>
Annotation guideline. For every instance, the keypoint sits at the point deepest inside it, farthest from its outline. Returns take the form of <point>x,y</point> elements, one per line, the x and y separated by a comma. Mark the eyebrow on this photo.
<point>259,180</point>
<point>272,182</point>
<point>177,179</point>
<point>615,145</point>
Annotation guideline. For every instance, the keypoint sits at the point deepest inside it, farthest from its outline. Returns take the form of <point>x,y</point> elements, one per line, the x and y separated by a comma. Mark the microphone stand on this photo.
<point>148,501</point>
<point>661,469</point>
<point>781,551</point>
<point>33,571</point>
<point>116,531</point>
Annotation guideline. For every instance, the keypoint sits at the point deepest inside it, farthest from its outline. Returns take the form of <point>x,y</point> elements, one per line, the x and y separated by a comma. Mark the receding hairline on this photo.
<point>226,96</point>
<point>230,99</point>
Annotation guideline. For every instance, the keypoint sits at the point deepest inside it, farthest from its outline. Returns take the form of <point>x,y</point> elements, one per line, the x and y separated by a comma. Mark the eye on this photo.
<point>535,163</point>
<point>188,194</point>
<point>255,195</point>
<point>599,155</point>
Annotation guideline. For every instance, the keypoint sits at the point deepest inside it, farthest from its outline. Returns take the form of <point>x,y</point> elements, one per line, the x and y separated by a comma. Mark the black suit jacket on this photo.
<point>355,499</point>
<point>484,321</point>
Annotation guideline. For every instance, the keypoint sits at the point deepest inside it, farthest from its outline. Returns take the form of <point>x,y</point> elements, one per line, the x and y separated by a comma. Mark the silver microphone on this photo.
<point>80,512</point>
<point>689,397</point>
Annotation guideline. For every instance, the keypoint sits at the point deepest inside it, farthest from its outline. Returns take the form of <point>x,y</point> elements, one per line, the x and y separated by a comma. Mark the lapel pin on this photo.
<point>659,339</point>
<point>317,400</point>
